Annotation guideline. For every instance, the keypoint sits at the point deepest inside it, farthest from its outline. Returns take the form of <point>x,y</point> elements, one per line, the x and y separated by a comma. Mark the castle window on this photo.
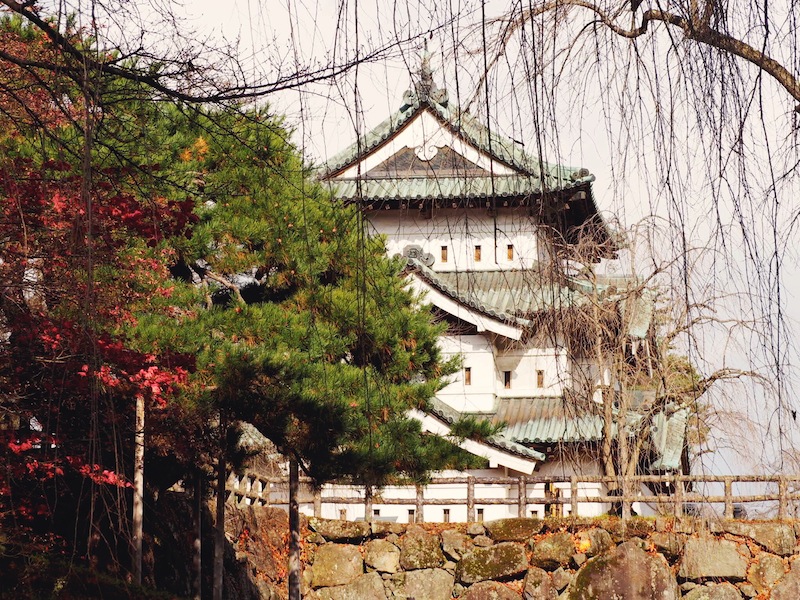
<point>510,251</point>
<point>467,375</point>
<point>446,515</point>
<point>507,379</point>
<point>477,253</point>
<point>540,378</point>
<point>444,254</point>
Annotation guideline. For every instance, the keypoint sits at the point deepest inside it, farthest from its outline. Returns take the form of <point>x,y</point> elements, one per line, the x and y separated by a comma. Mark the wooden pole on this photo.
<point>219,530</point>
<point>138,489</point>
<point>470,499</point>
<point>522,497</point>
<point>197,562</point>
<point>294,531</point>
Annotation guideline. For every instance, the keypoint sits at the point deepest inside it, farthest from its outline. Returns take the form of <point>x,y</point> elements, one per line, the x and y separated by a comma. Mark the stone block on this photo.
<point>709,558</point>
<point>495,562</point>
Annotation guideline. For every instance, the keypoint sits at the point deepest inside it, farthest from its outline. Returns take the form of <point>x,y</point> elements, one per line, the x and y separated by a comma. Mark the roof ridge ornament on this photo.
<point>425,90</point>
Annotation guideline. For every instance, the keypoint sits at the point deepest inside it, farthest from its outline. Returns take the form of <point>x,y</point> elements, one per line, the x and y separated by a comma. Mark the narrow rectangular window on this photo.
<point>540,378</point>
<point>412,517</point>
<point>343,514</point>
<point>467,375</point>
<point>477,253</point>
<point>507,379</point>
<point>510,251</point>
<point>446,515</point>
<point>480,515</point>
<point>444,254</point>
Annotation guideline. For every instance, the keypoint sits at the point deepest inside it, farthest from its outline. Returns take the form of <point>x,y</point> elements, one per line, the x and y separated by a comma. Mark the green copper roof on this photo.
<point>449,415</point>
<point>548,420</point>
<point>513,296</point>
<point>442,188</point>
<point>548,176</point>
<point>668,435</point>
<point>507,295</point>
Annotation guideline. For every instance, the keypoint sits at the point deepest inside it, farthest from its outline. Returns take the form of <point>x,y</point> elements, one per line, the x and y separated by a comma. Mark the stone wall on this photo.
<point>562,559</point>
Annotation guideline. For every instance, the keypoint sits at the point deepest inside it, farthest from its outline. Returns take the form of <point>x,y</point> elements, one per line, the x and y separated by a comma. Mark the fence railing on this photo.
<point>678,494</point>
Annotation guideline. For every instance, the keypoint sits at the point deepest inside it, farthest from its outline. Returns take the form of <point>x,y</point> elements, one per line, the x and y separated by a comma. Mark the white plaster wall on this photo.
<point>477,353</point>
<point>460,230</point>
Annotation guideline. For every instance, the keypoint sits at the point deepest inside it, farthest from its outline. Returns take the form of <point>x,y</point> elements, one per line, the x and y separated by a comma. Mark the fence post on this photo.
<point>782,500</point>
<point>728,499</point>
<point>522,497</point>
<point>625,488</point>
<point>573,495</point>
<point>677,494</point>
<point>318,503</point>
<point>470,499</point>
<point>420,504</point>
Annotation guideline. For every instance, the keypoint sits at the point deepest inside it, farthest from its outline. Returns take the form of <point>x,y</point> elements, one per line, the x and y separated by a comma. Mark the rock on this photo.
<point>315,538</point>
<point>482,540</point>
<point>778,538</point>
<point>708,558</point>
<point>669,544</point>
<point>382,528</point>
<point>624,573</point>
<point>553,551</point>
<point>513,530</point>
<point>382,556</point>
<point>494,562</point>
<point>593,541</point>
<point>336,564</point>
<point>664,523</point>
<point>787,588</point>
<point>420,550</point>
<point>432,584</point>
<point>385,527</point>
<point>336,531</point>
<point>538,585</point>
<point>639,527</point>
<point>688,586</point>
<point>561,578</point>
<point>366,587</point>
<point>714,591</point>
<point>476,529</point>
<point>456,544</point>
<point>578,559</point>
<point>747,589</point>
<point>489,590</point>
<point>765,571</point>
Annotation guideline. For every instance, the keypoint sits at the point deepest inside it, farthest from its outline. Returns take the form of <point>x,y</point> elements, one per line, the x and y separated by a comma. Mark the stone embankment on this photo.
<point>559,559</point>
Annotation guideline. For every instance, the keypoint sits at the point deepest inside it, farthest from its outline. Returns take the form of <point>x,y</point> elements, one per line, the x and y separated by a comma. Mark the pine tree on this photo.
<point>299,323</point>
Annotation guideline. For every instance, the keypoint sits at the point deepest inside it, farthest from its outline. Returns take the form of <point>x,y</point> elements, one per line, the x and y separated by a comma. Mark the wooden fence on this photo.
<point>679,497</point>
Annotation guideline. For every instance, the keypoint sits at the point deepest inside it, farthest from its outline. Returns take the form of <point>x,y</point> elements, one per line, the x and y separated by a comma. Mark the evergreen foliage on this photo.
<point>299,323</point>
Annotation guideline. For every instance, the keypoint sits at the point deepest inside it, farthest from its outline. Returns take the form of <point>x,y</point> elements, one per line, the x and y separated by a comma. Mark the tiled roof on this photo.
<point>440,188</point>
<point>549,176</point>
<point>668,434</point>
<point>507,295</point>
<point>449,415</point>
<point>513,296</point>
<point>548,420</point>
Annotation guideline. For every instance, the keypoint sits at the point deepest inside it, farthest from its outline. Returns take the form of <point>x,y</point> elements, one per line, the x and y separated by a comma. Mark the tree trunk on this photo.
<point>294,532</point>
<point>197,562</point>
<point>219,530</point>
<point>138,488</point>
